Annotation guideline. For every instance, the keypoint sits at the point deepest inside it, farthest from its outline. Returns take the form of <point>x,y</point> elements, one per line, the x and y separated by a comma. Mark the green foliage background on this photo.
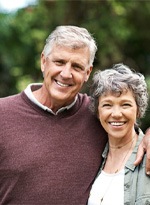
<point>121,29</point>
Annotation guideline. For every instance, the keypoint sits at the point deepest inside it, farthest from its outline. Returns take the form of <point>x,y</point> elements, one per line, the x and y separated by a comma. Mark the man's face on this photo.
<point>65,71</point>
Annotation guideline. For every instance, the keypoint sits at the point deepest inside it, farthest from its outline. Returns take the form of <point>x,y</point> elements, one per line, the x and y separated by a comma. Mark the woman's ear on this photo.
<point>138,114</point>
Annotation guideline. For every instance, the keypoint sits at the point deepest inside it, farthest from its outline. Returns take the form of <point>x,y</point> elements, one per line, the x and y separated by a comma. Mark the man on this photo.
<point>50,143</point>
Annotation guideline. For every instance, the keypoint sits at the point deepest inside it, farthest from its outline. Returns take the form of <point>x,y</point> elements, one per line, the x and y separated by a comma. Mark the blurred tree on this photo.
<point>7,82</point>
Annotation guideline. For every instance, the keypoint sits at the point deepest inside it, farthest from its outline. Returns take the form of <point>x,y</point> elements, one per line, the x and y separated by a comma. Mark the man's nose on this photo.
<point>66,72</point>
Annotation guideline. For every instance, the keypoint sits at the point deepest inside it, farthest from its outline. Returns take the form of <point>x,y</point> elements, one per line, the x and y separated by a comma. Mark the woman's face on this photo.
<point>118,114</point>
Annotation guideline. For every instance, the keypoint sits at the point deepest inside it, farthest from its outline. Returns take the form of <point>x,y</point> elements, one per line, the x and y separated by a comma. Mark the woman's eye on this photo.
<point>126,105</point>
<point>106,105</point>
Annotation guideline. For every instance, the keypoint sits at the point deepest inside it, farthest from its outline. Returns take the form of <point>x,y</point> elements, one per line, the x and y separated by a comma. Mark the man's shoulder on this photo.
<point>9,101</point>
<point>84,102</point>
<point>9,98</point>
<point>84,97</point>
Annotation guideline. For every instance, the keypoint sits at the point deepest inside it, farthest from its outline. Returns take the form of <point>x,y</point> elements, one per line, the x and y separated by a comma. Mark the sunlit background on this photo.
<point>13,5</point>
<point>121,29</point>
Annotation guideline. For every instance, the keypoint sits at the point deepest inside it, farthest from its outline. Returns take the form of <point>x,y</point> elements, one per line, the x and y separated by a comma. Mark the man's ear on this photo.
<point>43,60</point>
<point>88,73</point>
<point>43,74</point>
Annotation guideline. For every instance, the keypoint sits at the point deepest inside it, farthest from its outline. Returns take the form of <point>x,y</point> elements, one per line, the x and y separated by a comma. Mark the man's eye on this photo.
<point>59,63</point>
<point>78,67</point>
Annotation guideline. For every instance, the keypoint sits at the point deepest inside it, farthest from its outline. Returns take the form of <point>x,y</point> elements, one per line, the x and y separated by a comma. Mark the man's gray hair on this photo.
<point>117,79</point>
<point>73,37</point>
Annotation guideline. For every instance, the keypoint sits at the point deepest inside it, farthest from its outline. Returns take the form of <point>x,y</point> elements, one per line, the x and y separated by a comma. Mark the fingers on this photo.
<point>148,160</point>
<point>148,157</point>
<point>147,147</point>
<point>140,154</point>
<point>148,163</point>
<point>148,132</point>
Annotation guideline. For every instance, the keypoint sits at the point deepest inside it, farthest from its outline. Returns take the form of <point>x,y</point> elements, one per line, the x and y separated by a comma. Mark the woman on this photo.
<point>120,98</point>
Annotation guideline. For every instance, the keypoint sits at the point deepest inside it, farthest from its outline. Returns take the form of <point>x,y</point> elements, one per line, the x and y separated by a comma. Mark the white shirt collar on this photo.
<point>30,95</point>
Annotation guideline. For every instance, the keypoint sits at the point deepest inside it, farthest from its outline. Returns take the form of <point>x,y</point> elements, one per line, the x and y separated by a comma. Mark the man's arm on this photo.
<point>144,147</point>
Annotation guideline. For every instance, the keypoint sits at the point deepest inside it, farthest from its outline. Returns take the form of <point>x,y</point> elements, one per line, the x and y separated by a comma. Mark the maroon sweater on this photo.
<point>47,159</point>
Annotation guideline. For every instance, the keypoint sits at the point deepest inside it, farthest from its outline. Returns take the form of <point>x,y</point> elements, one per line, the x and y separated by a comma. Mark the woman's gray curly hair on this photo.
<point>117,79</point>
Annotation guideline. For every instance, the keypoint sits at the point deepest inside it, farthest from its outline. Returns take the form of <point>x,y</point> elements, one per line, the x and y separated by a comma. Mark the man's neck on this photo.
<point>36,95</point>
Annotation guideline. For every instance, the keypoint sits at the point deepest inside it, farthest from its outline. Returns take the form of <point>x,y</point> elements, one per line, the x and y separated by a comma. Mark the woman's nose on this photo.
<point>116,112</point>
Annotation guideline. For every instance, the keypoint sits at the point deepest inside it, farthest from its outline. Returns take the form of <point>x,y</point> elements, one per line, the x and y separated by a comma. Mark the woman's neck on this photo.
<point>118,143</point>
<point>119,154</point>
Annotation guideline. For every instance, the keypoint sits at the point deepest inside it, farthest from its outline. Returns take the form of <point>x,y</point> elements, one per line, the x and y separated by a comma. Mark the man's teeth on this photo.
<point>61,84</point>
<point>117,123</point>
